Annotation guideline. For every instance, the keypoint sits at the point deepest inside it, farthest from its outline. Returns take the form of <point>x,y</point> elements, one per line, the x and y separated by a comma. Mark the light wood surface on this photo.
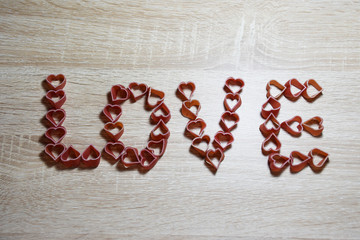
<point>97,44</point>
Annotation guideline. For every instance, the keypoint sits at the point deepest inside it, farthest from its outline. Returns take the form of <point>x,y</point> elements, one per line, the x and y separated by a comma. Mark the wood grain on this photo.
<point>99,44</point>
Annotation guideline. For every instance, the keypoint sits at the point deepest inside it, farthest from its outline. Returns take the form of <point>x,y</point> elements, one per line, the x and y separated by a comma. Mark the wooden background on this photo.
<point>97,44</point>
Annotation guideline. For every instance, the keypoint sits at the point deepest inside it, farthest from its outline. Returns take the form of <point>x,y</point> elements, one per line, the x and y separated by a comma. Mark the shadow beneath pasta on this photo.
<point>120,167</point>
<point>49,162</point>
<point>211,169</point>
<point>307,167</point>
<point>45,122</point>
<point>46,159</point>
<point>103,118</point>
<point>322,169</point>
<point>108,158</point>
<point>277,174</point>
<point>44,140</point>
<point>45,102</point>
<point>104,135</point>
<point>45,86</point>
<point>109,98</point>
<point>195,153</point>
